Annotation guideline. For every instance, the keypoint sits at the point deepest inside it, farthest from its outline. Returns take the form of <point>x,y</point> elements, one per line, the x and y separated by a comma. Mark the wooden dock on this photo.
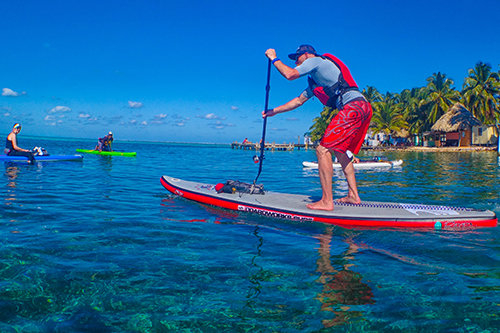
<point>272,146</point>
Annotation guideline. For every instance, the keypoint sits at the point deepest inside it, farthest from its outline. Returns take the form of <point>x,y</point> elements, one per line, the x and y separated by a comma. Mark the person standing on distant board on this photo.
<point>11,147</point>
<point>330,81</point>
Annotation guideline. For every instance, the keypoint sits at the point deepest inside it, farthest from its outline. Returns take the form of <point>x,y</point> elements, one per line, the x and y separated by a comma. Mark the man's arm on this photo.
<point>287,72</point>
<point>289,106</point>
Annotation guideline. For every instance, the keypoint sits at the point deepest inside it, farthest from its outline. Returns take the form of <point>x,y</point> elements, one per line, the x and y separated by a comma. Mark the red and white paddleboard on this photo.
<point>366,214</point>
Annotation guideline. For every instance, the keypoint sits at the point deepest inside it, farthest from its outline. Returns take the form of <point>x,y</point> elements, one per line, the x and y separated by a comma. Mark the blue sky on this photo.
<point>195,71</point>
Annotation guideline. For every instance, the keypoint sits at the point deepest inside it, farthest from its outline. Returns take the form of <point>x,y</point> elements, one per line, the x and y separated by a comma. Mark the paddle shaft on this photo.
<point>266,105</point>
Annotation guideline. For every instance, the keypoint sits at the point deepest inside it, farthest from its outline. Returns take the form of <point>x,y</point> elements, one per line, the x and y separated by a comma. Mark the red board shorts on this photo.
<point>348,128</point>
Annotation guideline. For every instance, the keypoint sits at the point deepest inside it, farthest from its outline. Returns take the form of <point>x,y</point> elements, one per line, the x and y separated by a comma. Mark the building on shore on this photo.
<point>455,128</point>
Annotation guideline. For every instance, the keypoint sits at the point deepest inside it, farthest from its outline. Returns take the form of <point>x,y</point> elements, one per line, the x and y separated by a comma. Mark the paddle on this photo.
<point>256,158</point>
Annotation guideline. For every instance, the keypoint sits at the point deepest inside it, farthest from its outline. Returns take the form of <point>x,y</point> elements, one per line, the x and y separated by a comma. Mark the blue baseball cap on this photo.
<point>301,50</point>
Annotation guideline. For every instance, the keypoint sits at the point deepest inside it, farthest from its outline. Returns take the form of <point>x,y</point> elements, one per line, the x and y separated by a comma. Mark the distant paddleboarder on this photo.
<point>331,82</point>
<point>105,143</point>
<point>11,147</point>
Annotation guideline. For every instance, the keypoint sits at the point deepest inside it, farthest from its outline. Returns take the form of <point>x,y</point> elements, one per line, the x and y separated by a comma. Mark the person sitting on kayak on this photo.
<point>105,143</point>
<point>11,147</point>
<point>353,158</point>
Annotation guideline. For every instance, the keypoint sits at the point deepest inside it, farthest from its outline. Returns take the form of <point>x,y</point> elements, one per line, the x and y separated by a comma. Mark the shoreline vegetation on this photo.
<point>432,149</point>
<point>412,113</point>
<point>292,146</point>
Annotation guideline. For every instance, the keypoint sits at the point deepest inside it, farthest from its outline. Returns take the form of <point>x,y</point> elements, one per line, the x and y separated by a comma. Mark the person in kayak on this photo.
<point>330,81</point>
<point>11,147</point>
<point>105,143</point>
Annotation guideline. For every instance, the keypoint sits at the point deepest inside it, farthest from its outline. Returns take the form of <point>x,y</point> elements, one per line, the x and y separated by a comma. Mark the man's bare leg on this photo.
<point>348,168</point>
<point>325,169</point>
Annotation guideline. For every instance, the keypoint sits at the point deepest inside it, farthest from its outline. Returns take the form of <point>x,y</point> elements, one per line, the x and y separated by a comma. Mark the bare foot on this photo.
<point>320,205</point>
<point>348,199</point>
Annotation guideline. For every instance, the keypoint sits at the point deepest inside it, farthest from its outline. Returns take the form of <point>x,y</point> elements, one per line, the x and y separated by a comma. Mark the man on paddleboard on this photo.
<point>330,81</point>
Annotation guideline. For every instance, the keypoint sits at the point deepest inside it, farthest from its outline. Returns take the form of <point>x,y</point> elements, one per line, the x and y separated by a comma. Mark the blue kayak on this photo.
<point>44,158</point>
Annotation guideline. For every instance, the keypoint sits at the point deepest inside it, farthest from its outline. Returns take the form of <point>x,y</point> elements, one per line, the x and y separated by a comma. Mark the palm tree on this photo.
<point>371,94</point>
<point>387,117</point>
<point>321,123</point>
<point>481,92</point>
<point>414,111</point>
<point>440,96</point>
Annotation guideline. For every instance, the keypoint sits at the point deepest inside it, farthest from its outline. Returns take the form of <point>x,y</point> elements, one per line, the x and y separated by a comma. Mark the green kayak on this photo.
<point>112,153</point>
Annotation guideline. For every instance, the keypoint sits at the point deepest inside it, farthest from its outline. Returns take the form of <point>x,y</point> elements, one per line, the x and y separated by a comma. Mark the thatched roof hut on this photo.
<point>458,118</point>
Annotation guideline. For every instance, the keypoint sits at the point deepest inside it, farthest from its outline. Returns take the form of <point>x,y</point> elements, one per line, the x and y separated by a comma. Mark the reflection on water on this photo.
<point>342,286</point>
<point>11,172</point>
<point>258,274</point>
<point>106,162</point>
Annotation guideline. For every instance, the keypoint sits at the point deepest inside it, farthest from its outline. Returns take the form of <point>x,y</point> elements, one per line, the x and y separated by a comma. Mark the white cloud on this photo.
<point>49,118</point>
<point>160,116</point>
<point>135,105</point>
<point>144,123</point>
<point>221,125</point>
<point>6,114</point>
<point>59,109</point>
<point>11,93</point>
<point>81,115</point>
<point>234,108</point>
<point>210,116</point>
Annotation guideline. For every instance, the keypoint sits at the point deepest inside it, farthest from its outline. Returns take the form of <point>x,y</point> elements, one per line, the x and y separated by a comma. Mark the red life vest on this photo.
<point>329,95</point>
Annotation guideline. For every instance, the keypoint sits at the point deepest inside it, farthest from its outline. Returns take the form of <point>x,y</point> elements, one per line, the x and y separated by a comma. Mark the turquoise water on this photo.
<point>101,246</point>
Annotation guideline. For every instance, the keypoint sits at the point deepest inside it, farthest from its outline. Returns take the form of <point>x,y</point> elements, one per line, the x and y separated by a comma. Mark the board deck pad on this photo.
<point>366,214</point>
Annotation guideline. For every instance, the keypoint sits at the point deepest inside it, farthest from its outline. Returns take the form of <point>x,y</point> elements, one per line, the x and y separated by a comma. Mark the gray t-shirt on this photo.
<point>325,74</point>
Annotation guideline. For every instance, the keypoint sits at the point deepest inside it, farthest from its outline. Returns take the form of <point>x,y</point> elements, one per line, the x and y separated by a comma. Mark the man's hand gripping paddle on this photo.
<point>260,159</point>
